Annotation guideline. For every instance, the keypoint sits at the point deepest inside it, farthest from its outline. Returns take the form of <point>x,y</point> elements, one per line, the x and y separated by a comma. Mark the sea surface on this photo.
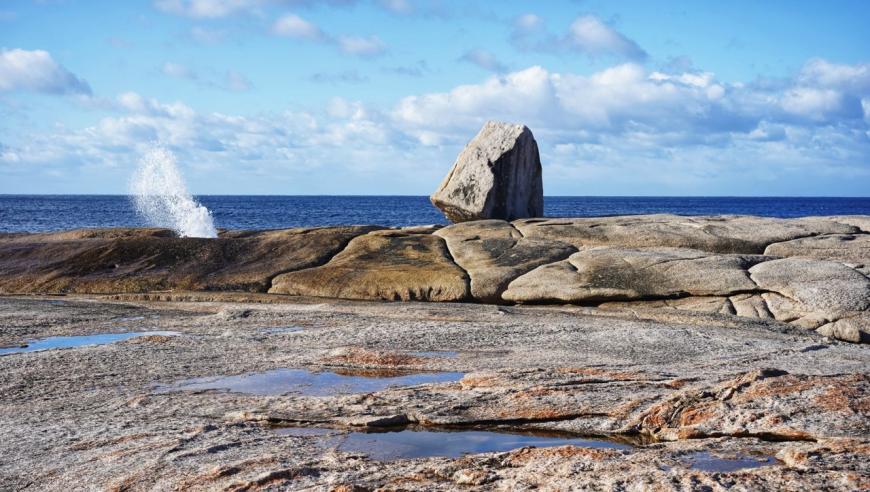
<point>33,213</point>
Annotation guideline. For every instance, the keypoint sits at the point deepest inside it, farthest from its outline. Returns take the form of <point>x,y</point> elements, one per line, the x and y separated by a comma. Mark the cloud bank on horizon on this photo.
<point>378,96</point>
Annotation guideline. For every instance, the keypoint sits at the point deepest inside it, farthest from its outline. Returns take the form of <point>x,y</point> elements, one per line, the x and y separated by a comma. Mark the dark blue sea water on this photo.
<point>53,212</point>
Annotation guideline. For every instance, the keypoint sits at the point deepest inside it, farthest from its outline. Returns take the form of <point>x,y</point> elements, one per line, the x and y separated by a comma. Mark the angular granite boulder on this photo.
<point>601,274</point>
<point>497,176</point>
<point>718,234</point>
<point>493,253</point>
<point>389,265</point>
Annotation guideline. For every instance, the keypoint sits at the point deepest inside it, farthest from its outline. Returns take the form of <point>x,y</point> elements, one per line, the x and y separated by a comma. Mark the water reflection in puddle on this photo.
<point>79,341</point>
<point>415,443</point>
<point>308,383</point>
<point>710,463</point>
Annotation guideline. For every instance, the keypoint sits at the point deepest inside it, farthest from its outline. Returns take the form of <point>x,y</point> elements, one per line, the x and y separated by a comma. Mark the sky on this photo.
<point>377,97</point>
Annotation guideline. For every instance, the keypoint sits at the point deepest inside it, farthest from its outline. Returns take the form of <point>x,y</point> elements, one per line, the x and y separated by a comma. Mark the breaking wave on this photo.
<point>160,196</point>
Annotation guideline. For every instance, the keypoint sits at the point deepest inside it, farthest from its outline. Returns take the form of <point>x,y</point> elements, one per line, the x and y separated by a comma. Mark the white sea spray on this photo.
<point>161,197</point>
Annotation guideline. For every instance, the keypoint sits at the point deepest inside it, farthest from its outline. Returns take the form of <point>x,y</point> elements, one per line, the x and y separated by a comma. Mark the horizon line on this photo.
<point>426,196</point>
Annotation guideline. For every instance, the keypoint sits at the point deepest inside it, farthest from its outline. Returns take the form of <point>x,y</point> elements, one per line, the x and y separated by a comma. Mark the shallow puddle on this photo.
<point>79,341</point>
<point>416,443</point>
<point>710,463</point>
<point>309,383</point>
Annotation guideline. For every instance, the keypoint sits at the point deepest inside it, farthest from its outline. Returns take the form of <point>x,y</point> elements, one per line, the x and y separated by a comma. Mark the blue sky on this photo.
<point>378,97</point>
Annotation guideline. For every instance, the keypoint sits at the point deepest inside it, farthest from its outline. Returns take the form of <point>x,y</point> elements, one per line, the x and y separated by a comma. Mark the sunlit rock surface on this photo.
<point>664,400</point>
<point>808,272</point>
<point>496,176</point>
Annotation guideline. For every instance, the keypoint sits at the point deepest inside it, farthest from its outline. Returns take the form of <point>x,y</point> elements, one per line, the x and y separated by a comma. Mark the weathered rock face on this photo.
<point>390,265</point>
<point>659,266</point>
<point>851,249</point>
<point>497,176</point>
<point>143,260</point>
<point>602,274</point>
<point>493,253</point>
<point>718,234</point>
<point>67,423</point>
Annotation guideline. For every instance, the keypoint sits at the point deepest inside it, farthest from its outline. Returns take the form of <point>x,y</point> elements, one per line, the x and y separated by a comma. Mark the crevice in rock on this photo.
<point>465,276</point>
<point>517,229</point>
<point>763,436</point>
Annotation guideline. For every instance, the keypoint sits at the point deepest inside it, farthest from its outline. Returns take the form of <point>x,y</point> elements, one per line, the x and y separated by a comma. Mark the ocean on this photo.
<point>35,213</point>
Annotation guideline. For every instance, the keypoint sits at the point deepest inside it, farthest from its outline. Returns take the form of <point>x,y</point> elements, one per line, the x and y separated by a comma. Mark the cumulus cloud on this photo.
<point>588,34</point>
<point>690,122</point>
<point>37,71</point>
<point>484,59</point>
<point>625,129</point>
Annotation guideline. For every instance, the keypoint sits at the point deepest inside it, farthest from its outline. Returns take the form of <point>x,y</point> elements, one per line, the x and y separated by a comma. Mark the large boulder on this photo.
<point>497,176</point>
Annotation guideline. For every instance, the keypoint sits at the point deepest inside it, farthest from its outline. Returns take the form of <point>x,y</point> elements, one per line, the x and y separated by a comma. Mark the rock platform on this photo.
<point>808,272</point>
<point>667,353</point>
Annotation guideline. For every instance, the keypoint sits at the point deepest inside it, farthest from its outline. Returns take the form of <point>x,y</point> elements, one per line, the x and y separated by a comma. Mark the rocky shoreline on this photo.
<point>616,353</point>
<point>809,272</point>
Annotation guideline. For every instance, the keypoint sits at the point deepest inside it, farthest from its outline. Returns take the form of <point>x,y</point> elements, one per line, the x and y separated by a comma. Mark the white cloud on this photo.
<point>361,46</point>
<point>484,59</point>
<point>673,130</point>
<point>826,74</point>
<point>293,26</point>
<point>589,35</point>
<point>620,130</point>
<point>37,71</point>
